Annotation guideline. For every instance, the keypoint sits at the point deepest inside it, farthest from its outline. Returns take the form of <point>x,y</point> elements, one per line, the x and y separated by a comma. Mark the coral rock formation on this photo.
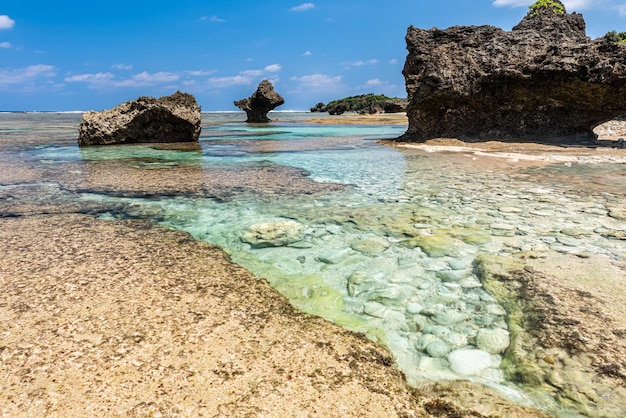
<point>543,81</point>
<point>260,103</point>
<point>174,118</point>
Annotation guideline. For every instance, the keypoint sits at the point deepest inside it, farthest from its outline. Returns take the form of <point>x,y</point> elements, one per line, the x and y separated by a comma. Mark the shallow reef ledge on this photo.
<point>567,318</point>
<point>544,81</point>
<point>146,321</point>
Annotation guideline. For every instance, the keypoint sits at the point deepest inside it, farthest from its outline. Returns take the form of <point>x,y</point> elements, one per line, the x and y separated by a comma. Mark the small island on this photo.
<point>367,104</point>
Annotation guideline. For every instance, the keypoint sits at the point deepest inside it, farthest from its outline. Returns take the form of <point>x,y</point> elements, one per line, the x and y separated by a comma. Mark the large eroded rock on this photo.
<point>544,80</point>
<point>174,118</point>
<point>260,103</point>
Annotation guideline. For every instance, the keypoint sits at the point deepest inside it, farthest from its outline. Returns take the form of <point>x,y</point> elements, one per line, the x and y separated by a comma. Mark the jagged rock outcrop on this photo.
<point>544,80</point>
<point>174,118</point>
<point>260,103</point>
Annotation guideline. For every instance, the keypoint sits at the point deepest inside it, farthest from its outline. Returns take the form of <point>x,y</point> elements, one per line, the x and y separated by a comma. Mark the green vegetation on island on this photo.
<point>615,37</point>
<point>539,5</point>
<point>365,103</point>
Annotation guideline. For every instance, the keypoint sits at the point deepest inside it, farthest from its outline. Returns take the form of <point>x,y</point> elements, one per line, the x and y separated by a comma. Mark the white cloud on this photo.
<point>26,74</point>
<point>200,73</point>
<point>215,19</point>
<point>393,61</point>
<point>303,7</point>
<point>307,53</point>
<point>5,44</point>
<point>97,78</point>
<point>251,73</point>
<point>237,80</point>
<point>359,63</point>
<point>373,82</point>
<point>122,66</point>
<point>148,79</point>
<point>378,86</point>
<point>6,22</point>
<point>143,79</point>
<point>317,80</point>
<point>273,68</point>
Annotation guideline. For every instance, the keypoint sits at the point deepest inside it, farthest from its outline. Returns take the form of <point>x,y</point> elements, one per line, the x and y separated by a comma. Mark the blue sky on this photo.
<point>71,55</point>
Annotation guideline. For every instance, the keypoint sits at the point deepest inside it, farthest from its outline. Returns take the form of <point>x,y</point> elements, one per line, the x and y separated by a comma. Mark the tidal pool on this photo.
<point>385,246</point>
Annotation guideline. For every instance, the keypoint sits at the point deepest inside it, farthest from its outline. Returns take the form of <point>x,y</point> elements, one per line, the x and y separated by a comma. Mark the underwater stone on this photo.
<point>370,245</point>
<point>453,275</point>
<point>273,234</point>
<point>435,245</point>
<point>449,317</point>
<point>438,349</point>
<point>469,362</point>
<point>494,341</point>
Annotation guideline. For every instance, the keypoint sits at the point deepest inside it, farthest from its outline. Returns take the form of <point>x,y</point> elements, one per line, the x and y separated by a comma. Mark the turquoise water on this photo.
<point>389,254</point>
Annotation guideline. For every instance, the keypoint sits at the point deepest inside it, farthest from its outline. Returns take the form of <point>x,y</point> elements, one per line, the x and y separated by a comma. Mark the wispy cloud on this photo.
<point>307,53</point>
<point>24,75</point>
<point>212,19</point>
<point>200,73</point>
<point>318,83</point>
<point>303,7</point>
<point>6,22</point>
<point>5,44</point>
<point>393,61</point>
<point>236,80</point>
<point>122,66</point>
<point>348,65</point>
<point>378,86</point>
<point>145,78</point>
<point>97,78</point>
<point>273,68</point>
<point>251,73</point>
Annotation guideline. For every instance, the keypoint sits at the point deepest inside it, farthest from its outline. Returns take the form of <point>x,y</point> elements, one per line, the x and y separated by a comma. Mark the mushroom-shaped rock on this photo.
<point>543,81</point>
<point>260,103</point>
<point>174,118</point>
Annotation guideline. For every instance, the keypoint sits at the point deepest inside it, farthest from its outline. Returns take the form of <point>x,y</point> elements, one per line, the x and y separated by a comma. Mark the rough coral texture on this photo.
<point>174,118</point>
<point>543,81</point>
<point>260,103</point>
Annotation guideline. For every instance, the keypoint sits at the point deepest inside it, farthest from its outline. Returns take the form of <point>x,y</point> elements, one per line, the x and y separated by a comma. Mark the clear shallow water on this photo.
<point>351,255</point>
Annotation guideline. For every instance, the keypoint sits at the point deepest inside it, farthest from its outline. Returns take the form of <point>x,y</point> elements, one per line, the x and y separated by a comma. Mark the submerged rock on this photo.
<point>544,80</point>
<point>174,118</point>
<point>567,321</point>
<point>470,362</point>
<point>273,234</point>
<point>260,103</point>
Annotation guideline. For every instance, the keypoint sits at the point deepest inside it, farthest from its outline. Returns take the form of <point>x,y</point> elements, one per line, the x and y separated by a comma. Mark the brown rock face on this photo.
<point>174,118</point>
<point>543,81</point>
<point>260,103</point>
